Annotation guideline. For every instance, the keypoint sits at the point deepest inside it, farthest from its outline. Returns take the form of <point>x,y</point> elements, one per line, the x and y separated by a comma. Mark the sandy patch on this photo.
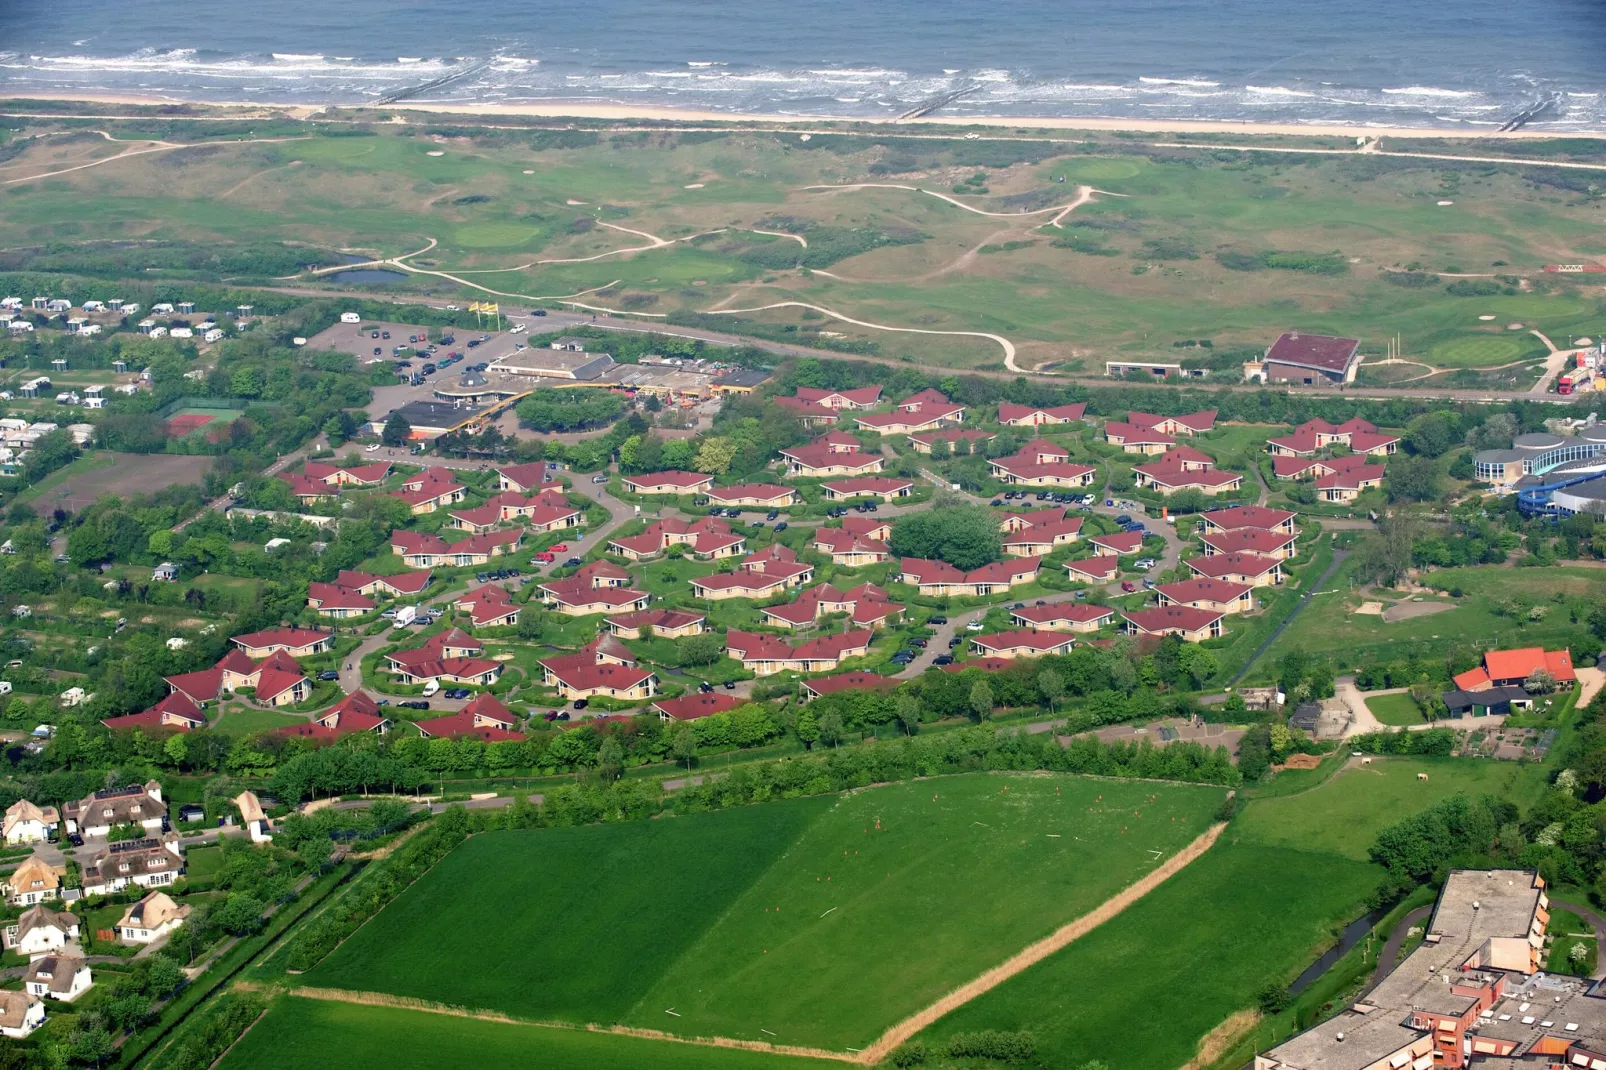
<point>108,614</point>
<point>571,200</point>
<point>147,620</point>
<point>695,185</point>
<point>191,622</point>
<point>1408,610</point>
<point>1371,609</point>
<point>503,657</point>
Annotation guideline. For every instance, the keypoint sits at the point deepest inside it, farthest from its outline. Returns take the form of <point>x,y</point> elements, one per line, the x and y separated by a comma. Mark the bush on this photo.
<point>911,1054</point>
<point>1410,280</point>
<point>209,1035</point>
<point>1005,1047</point>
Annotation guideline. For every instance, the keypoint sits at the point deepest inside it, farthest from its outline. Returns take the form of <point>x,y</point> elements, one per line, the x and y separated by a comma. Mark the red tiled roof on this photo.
<point>1020,637</point>
<point>1204,590</point>
<point>1523,663</point>
<point>691,707</point>
<point>1293,467</point>
<point>1100,568</point>
<point>867,485</point>
<point>1131,434</point>
<point>984,664</point>
<point>1074,612</point>
<point>759,491</point>
<point>817,455</point>
<point>1248,540</point>
<point>667,619</point>
<point>679,481</point>
<point>357,712</point>
<point>1233,564</point>
<point>1195,421</point>
<point>1167,618</point>
<point>334,596</point>
<point>1247,516</point>
<point>926,399</point>
<point>954,434</point>
<point>1122,542</point>
<point>1351,477</point>
<point>863,395</point>
<point>811,409</point>
<point>850,681</point>
<point>174,707</point>
<point>281,637</point>
<point>204,686</point>
<point>461,725</point>
<point>526,476</point>
<point>1008,411</point>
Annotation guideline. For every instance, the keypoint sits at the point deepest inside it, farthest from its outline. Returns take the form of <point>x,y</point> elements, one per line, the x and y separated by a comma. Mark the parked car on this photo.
<point>329,674</point>
<point>579,703</point>
<point>564,716</point>
<point>921,643</point>
<point>1123,519</point>
<point>937,618</point>
<point>955,641</point>
<point>995,503</point>
<point>1128,585</point>
<point>551,715</point>
<point>482,577</point>
<point>705,687</point>
<point>599,478</point>
<point>772,514</point>
<point>730,685</point>
<point>781,526</point>
<point>1081,596</point>
<point>572,562</point>
<point>1144,563</point>
<point>974,626</point>
<point>943,659</point>
<point>1148,585</point>
<point>371,447</point>
<point>543,557</point>
<point>373,334</point>
<point>413,704</point>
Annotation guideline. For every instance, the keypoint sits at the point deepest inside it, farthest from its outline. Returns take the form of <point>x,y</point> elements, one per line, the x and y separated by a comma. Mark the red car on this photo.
<point>559,548</point>
<point>1128,585</point>
<point>544,556</point>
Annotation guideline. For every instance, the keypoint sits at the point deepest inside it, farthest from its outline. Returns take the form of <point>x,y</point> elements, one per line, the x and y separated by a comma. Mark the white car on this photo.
<point>371,447</point>
<point>974,626</point>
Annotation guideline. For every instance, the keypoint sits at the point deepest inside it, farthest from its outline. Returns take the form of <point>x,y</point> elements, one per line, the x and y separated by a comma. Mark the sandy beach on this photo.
<point>559,109</point>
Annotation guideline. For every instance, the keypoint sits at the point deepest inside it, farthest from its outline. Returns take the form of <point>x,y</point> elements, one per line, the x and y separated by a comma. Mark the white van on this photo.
<point>432,687</point>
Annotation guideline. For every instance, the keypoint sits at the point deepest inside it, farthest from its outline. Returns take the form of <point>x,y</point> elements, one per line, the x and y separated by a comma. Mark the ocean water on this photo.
<point>1463,63</point>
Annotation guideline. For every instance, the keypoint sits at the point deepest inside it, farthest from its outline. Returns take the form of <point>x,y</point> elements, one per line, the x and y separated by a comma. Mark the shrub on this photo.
<point>910,1054</point>
<point>1005,1047</point>
<point>1410,280</point>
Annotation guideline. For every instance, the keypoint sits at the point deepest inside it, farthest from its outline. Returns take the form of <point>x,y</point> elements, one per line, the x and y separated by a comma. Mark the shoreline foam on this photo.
<point>561,108</point>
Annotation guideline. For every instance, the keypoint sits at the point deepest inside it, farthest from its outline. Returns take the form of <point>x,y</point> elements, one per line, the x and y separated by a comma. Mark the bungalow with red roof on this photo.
<point>1040,540</point>
<point>337,602</point>
<point>1062,617</point>
<point>477,519</point>
<point>834,454</point>
<point>1349,478</point>
<point>1278,544</point>
<point>1306,359</point>
<point>1222,595</point>
<point>1097,569</point>
<point>279,681</point>
<point>421,549</point>
<point>863,397</point>
<point>1134,439</point>
<point>1512,668</point>
<point>433,488</point>
<point>544,513</point>
<point>696,705</point>
<point>1042,464</point>
<point>297,642</point>
<point>1010,523</point>
<point>867,605</point>
<point>489,606</point>
<point>886,488</point>
<point>753,495</point>
<point>927,410</point>
<point>984,664</point>
<point>355,713</point>
<point>1195,423</point>
<point>849,549</point>
<point>604,667</point>
<point>448,657</point>
<point>1194,625</point>
<point>523,478</point>
<point>764,574</point>
<point>668,483</point>
<point>1247,516</point>
<point>1251,569</point>
<point>1185,468</point>
<point>1012,415</point>
<point>175,712</point>
<point>484,718</point>
<point>766,655</point>
<point>664,623</point>
<point>960,440</point>
<point>308,491</point>
<point>360,475</point>
<point>598,587</point>
<point>1020,643</point>
<point>1318,434</point>
<point>400,585</point>
<point>847,681</point>
<point>1118,544</point>
<point>708,537</point>
<point>937,579</point>
<point>809,413</point>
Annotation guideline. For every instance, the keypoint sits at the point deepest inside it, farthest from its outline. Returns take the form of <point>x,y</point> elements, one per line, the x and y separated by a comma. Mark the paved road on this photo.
<point>1389,957</point>
<point>562,320</point>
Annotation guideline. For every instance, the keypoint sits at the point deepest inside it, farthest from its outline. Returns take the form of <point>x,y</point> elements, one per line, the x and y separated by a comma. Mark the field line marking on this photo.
<point>408,1003</point>
<point>1034,953</point>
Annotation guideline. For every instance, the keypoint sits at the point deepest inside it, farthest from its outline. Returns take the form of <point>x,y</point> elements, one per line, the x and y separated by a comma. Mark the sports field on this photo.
<point>307,1034</point>
<point>817,923</point>
<point>1167,245</point>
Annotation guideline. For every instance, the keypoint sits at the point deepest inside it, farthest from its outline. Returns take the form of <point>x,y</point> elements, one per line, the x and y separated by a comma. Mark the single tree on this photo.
<point>907,709</point>
<point>397,431</point>
<point>831,729</point>
<point>684,745</point>
<point>611,758</point>
<point>981,700</point>
<point>808,728</point>
<point>1052,685</point>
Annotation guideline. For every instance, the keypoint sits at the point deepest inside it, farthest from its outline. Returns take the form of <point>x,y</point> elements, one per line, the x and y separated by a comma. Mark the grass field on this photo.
<point>1165,282</point>
<point>1343,815</point>
<point>1480,616</point>
<point>1395,710</point>
<point>306,1034</point>
<point>1142,989</point>
<point>815,923</point>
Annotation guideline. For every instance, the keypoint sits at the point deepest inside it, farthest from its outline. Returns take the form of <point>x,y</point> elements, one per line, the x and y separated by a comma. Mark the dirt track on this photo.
<point>1035,953</point>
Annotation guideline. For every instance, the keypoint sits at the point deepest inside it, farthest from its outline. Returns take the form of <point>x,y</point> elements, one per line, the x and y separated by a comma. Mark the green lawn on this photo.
<point>202,863</point>
<point>1142,989</point>
<point>817,922</point>
<point>250,720</point>
<point>305,1034</point>
<point>1343,815</point>
<point>1395,710</point>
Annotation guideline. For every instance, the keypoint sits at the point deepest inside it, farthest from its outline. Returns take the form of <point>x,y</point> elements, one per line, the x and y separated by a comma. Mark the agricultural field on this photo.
<point>305,1034</point>
<point>1142,989</point>
<point>77,485</point>
<point>816,923</point>
<point>1163,245</point>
